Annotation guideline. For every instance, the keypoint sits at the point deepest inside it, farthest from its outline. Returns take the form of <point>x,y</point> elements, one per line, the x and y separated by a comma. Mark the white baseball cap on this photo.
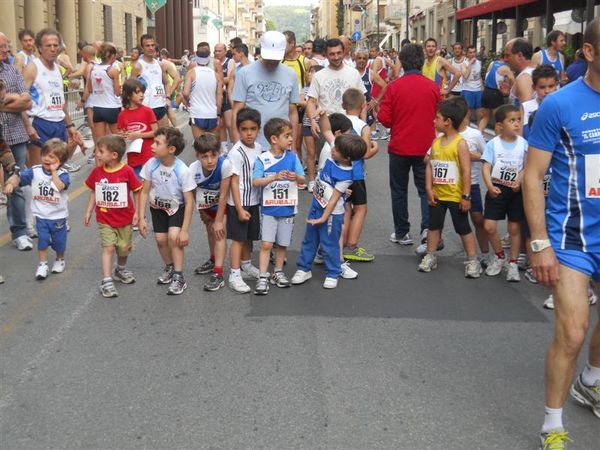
<point>272,45</point>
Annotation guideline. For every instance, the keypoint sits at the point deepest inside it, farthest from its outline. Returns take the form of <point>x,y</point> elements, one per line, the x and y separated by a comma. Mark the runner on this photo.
<point>371,79</point>
<point>347,47</point>
<point>498,82</point>
<point>458,60</point>
<point>307,49</point>
<point>471,84</point>
<point>437,68</point>
<point>27,53</point>
<point>556,40</point>
<point>227,67</point>
<point>154,77</point>
<point>49,110</point>
<point>518,56</point>
<point>566,239</point>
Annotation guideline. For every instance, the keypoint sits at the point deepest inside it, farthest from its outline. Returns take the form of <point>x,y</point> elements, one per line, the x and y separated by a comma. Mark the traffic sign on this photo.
<point>356,36</point>
<point>155,5</point>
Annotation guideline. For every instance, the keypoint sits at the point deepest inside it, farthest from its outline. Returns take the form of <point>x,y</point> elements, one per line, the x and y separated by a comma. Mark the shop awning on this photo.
<point>488,7</point>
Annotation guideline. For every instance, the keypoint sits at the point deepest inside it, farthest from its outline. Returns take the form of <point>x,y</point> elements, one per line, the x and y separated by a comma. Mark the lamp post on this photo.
<point>377,23</point>
<point>406,19</point>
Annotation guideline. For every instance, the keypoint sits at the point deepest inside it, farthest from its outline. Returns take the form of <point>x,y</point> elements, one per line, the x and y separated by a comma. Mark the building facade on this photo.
<point>120,22</point>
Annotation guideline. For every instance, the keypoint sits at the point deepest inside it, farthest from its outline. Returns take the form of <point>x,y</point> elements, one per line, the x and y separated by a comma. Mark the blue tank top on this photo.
<point>491,81</point>
<point>225,66</point>
<point>367,84</point>
<point>556,63</point>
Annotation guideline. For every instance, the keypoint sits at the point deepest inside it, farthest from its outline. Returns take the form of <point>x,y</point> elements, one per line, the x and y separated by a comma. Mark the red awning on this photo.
<point>487,7</point>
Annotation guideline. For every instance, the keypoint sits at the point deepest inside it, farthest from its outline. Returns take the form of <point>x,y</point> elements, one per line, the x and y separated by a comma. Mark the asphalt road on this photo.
<point>393,360</point>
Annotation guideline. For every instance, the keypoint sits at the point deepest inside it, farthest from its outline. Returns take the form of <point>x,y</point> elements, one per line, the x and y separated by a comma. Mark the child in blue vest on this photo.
<point>326,214</point>
<point>212,174</point>
<point>278,172</point>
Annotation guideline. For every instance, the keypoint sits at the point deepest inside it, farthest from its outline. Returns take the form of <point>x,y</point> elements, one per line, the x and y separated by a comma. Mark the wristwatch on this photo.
<point>466,197</point>
<point>537,245</point>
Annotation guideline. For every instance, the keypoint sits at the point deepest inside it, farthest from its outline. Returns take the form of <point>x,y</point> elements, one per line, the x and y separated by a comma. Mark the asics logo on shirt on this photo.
<point>592,115</point>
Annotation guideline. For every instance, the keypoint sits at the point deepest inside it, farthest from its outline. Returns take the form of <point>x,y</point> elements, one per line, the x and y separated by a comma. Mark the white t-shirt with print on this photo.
<point>328,86</point>
<point>168,182</point>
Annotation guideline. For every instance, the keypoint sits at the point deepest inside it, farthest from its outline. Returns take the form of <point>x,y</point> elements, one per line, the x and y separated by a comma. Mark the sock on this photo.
<point>106,280</point>
<point>43,263</point>
<point>212,258</point>
<point>501,254</point>
<point>264,275</point>
<point>278,269</point>
<point>246,264</point>
<point>472,258</point>
<point>119,267</point>
<point>590,375</point>
<point>218,270</point>
<point>236,272</point>
<point>178,274</point>
<point>552,420</point>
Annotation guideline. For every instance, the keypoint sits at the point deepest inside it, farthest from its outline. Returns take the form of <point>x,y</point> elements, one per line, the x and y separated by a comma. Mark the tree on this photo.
<point>270,25</point>
<point>340,17</point>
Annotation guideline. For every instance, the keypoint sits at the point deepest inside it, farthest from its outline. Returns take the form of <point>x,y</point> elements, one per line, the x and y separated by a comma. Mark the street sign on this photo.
<point>356,25</point>
<point>155,5</point>
<point>356,36</point>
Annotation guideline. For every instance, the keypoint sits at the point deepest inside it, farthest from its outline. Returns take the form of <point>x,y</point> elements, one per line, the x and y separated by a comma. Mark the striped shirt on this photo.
<point>12,124</point>
<point>242,164</point>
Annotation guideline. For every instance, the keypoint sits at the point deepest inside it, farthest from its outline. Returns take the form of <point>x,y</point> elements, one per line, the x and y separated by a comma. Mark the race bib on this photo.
<point>111,195</point>
<point>546,184</point>
<point>44,191</point>
<point>505,174</point>
<point>206,198</point>
<point>280,193</point>
<point>169,205</point>
<point>322,192</point>
<point>592,176</point>
<point>158,90</point>
<point>55,100</point>
<point>444,172</point>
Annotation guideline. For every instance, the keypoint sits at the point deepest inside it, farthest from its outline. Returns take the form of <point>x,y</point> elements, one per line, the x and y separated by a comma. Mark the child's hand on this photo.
<point>143,227</point>
<point>281,175</point>
<point>54,166</point>
<point>218,231</point>
<point>33,135</point>
<point>135,220</point>
<point>464,205</point>
<point>183,239</point>
<point>315,222</point>
<point>431,200</point>
<point>87,218</point>
<point>8,188</point>
<point>348,193</point>
<point>292,176</point>
<point>494,191</point>
<point>243,215</point>
<point>517,188</point>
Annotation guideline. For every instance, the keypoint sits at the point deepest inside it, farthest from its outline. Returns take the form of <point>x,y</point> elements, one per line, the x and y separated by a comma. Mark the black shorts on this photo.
<point>301,112</point>
<point>508,203</point>
<point>243,231</point>
<point>160,112</point>
<point>460,219</point>
<point>108,115</point>
<point>306,131</point>
<point>161,221</point>
<point>359,193</point>
<point>226,106</point>
<point>492,98</point>
<point>476,203</point>
<point>455,93</point>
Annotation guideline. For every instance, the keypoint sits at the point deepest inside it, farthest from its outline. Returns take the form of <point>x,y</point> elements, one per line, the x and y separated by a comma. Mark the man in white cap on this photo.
<point>267,85</point>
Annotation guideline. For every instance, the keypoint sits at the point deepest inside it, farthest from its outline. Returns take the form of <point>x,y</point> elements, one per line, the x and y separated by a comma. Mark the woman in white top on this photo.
<point>103,91</point>
<point>203,95</point>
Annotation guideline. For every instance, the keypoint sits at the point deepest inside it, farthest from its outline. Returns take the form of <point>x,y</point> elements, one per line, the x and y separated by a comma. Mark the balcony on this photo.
<point>242,33</point>
<point>358,5</point>
<point>259,11</point>
<point>395,14</point>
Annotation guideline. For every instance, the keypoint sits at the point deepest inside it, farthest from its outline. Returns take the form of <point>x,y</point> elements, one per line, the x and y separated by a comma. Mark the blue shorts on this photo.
<point>587,263</point>
<point>160,112</point>
<point>205,124</point>
<point>47,130</point>
<point>108,115</point>
<point>476,203</point>
<point>473,98</point>
<point>52,233</point>
<point>225,106</point>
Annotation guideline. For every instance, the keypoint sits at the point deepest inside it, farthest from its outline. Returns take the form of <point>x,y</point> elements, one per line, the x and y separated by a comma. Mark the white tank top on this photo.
<point>27,58</point>
<point>458,87</point>
<point>203,96</point>
<point>47,93</point>
<point>513,96</point>
<point>103,91</point>
<point>151,77</point>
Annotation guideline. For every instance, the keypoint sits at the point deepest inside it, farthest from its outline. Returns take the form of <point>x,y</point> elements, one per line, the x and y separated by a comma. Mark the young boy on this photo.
<point>243,214</point>
<point>545,81</point>
<point>212,175</point>
<point>112,184</point>
<point>503,161</point>
<point>278,172</point>
<point>353,101</point>
<point>168,186</point>
<point>326,214</point>
<point>448,185</point>
<point>49,203</point>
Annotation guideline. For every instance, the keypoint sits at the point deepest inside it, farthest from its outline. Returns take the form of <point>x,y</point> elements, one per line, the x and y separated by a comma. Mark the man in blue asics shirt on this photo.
<point>566,237</point>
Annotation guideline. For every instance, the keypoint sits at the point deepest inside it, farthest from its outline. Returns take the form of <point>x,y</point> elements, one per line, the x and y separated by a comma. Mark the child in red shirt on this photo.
<point>136,121</point>
<point>112,183</point>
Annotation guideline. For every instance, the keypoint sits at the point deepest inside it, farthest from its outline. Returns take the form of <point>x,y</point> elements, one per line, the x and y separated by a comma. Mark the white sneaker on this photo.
<point>404,240</point>
<point>250,273</point>
<point>522,261</point>
<point>237,284</point>
<point>58,266</point>
<point>428,263</point>
<point>42,272</point>
<point>301,277</point>
<point>421,249</point>
<point>472,268</point>
<point>311,186</point>
<point>330,283</point>
<point>31,231</point>
<point>424,236</point>
<point>23,243</point>
<point>494,267</point>
<point>549,302</point>
<point>512,272</point>
<point>347,272</point>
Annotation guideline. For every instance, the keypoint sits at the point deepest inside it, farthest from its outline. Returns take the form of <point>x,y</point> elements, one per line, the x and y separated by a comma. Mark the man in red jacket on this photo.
<point>408,108</point>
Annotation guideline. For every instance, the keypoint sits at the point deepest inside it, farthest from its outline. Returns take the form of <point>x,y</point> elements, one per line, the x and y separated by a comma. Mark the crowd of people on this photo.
<point>294,117</point>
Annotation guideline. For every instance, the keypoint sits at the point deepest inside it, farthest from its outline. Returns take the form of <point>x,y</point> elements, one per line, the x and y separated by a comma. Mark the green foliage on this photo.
<point>270,25</point>
<point>340,17</point>
<point>293,18</point>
